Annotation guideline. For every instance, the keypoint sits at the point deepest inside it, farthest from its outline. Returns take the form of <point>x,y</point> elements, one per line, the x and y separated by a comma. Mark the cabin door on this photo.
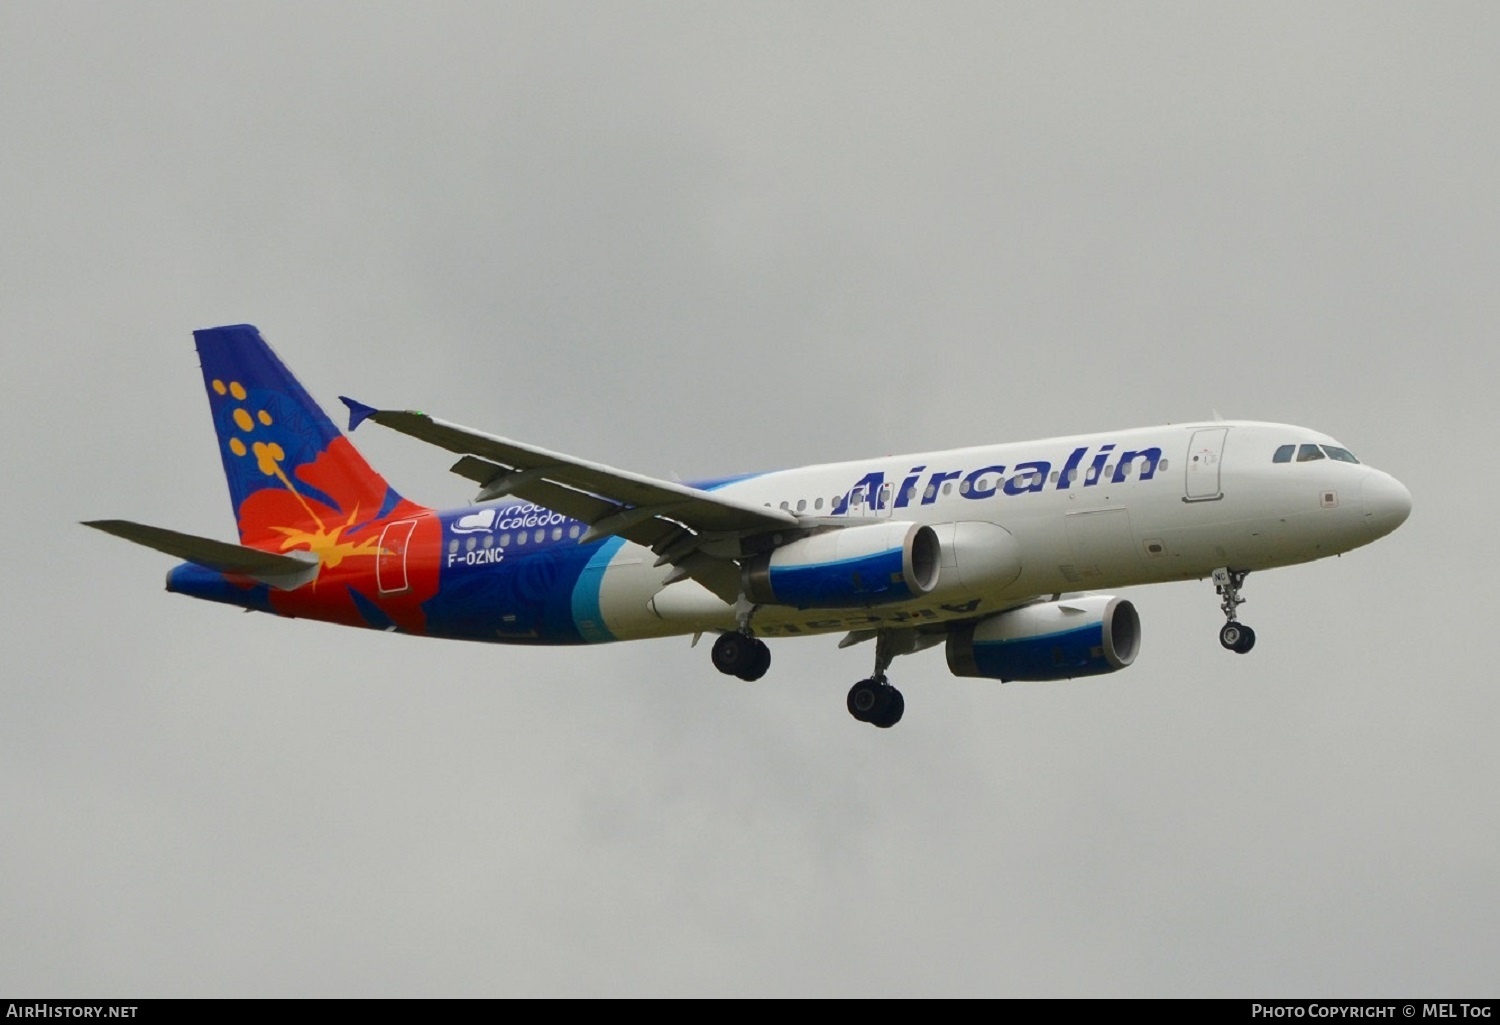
<point>1205,452</point>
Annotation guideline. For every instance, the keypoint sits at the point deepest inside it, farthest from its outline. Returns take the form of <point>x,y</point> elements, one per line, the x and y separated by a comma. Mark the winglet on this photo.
<point>358,412</point>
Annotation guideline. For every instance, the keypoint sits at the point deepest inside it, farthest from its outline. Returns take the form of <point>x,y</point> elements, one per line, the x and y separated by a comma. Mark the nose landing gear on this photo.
<point>1234,635</point>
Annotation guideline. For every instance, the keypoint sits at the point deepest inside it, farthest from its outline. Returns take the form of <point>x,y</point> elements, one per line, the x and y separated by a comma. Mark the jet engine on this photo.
<point>849,567</point>
<point>1055,640</point>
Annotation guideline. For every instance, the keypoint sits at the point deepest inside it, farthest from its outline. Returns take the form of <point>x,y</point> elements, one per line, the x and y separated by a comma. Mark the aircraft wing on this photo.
<point>672,519</point>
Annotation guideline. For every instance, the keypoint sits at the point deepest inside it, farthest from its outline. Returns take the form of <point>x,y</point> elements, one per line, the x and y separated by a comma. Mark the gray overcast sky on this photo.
<point>707,238</point>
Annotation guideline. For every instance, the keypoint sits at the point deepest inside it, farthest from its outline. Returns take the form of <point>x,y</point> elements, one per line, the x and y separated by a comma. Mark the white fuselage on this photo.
<point>1051,516</point>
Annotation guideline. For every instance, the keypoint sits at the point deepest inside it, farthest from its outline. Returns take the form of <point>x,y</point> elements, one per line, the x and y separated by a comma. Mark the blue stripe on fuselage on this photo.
<point>587,617</point>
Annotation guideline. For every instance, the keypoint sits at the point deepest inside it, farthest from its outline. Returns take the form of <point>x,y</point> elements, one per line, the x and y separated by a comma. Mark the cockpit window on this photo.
<point>1308,452</point>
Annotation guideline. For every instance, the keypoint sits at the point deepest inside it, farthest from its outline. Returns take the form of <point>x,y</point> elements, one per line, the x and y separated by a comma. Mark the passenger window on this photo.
<point>801,504</point>
<point>1284,454</point>
<point>818,502</point>
<point>1307,453</point>
<point>929,494</point>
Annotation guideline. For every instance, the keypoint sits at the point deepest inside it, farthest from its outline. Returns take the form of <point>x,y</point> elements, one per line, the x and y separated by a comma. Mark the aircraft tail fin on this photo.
<point>294,479</point>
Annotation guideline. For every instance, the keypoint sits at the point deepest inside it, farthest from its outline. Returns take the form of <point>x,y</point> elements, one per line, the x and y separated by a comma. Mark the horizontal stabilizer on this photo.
<point>284,572</point>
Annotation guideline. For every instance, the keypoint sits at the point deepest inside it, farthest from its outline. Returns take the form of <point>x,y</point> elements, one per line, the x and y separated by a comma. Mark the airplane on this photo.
<point>997,552</point>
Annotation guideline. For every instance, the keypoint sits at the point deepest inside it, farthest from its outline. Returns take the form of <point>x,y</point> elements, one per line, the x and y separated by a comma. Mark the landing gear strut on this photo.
<point>874,700</point>
<point>740,654</point>
<point>1234,635</point>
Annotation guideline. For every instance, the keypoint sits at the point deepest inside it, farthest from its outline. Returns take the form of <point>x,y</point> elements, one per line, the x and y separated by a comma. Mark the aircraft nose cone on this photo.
<point>1387,503</point>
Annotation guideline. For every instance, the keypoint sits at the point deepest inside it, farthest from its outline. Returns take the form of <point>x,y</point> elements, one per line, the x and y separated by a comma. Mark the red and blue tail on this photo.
<point>294,479</point>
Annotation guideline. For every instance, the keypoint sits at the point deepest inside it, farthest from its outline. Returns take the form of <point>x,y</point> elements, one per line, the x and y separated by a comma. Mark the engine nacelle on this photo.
<point>1049,640</point>
<point>977,557</point>
<point>850,567</point>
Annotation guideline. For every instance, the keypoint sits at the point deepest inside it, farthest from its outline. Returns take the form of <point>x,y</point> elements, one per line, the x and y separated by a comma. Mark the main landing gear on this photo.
<point>740,654</point>
<point>1234,635</point>
<point>874,700</point>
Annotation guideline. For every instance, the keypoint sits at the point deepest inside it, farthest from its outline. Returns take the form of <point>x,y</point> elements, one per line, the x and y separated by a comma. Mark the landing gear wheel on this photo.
<point>1247,640</point>
<point>1237,637</point>
<point>760,663</point>
<point>866,699</point>
<point>1229,635</point>
<point>733,653</point>
<point>737,654</point>
<point>895,706</point>
<point>876,702</point>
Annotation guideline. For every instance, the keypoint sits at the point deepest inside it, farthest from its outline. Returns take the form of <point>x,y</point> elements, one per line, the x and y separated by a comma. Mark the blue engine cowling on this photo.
<point>850,567</point>
<point>1048,641</point>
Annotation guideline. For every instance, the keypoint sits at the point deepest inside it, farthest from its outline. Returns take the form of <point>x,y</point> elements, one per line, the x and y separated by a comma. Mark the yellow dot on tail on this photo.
<point>242,421</point>
<point>237,446</point>
<point>267,456</point>
<point>237,390</point>
<point>264,417</point>
<point>219,387</point>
